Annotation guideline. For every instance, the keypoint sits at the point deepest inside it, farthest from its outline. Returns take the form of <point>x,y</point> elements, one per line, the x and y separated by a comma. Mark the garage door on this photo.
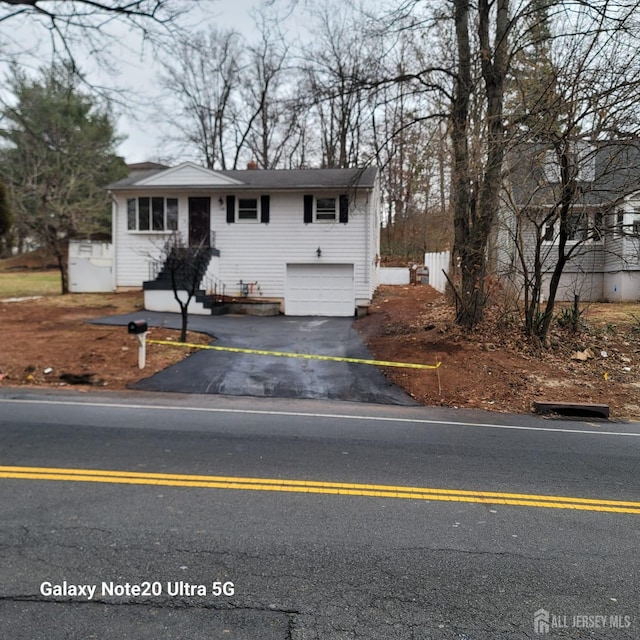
<point>319,290</point>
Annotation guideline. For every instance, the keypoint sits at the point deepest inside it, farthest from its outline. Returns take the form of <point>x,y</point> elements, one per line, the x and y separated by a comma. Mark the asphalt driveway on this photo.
<point>218,372</point>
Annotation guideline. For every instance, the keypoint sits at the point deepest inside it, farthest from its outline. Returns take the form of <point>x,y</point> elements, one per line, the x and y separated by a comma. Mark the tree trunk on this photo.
<point>568,197</point>
<point>533,286</point>
<point>185,321</point>
<point>64,271</point>
<point>461,177</point>
<point>476,201</point>
<point>472,290</point>
<point>545,324</point>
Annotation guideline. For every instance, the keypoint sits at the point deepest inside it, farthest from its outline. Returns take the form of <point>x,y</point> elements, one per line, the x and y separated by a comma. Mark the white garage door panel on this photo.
<point>320,290</point>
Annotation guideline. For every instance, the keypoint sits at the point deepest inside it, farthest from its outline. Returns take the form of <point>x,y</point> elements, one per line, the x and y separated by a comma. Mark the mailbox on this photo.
<point>136,327</point>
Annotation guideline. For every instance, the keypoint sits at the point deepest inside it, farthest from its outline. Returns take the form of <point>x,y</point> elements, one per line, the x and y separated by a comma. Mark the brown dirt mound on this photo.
<point>495,367</point>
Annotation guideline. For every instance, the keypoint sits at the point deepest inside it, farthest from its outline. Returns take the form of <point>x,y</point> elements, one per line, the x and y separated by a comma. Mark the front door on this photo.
<point>200,222</point>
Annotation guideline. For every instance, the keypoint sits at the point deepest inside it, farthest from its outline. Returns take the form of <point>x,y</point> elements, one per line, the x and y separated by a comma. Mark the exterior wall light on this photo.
<point>319,252</point>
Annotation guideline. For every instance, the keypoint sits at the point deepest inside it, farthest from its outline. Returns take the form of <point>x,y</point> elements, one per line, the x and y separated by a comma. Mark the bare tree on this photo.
<point>464,68</point>
<point>185,265</point>
<point>74,27</point>
<point>410,156</point>
<point>476,189</point>
<point>202,76</point>
<point>232,101</point>
<point>269,115</point>
<point>576,132</point>
<point>337,70</point>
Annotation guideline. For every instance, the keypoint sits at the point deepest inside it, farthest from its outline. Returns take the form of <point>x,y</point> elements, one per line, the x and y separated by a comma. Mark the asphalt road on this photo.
<point>304,508</point>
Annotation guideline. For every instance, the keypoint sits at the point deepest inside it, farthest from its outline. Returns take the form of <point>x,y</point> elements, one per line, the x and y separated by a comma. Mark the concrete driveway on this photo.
<point>219,372</point>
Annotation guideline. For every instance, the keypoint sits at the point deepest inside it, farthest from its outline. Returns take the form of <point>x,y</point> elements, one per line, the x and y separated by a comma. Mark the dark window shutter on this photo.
<point>264,209</point>
<point>231,209</point>
<point>308,209</point>
<point>344,209</point>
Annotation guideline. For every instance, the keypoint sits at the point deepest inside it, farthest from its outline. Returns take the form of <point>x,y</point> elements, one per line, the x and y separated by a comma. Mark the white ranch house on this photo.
<point>307,239</point>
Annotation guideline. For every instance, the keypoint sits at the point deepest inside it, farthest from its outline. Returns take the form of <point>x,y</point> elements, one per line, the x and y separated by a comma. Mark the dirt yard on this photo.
<point>47,342</point>
<point>494,367</point>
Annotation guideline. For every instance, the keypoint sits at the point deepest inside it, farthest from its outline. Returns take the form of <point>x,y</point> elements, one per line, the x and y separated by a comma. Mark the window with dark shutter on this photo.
<point>344,209</point>
<point>308,209</point>
<point>264,209</point>
<point>231,209</point>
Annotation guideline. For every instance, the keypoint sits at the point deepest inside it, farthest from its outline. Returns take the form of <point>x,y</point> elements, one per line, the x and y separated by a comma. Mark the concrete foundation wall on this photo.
<point>587,285</point>
<point>165,301</point>
<point>623,286</point>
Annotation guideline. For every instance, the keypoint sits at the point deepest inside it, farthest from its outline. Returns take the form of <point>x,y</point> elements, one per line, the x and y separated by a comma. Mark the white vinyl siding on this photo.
<point>259,253</point>
<point>134,251</point>
<point>187,175</point>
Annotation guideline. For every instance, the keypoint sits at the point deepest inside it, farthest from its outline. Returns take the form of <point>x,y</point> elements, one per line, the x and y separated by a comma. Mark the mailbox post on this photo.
<point>139,329</point>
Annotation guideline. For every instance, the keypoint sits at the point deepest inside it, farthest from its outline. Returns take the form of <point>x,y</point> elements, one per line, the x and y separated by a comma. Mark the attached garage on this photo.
<point>320,290</point>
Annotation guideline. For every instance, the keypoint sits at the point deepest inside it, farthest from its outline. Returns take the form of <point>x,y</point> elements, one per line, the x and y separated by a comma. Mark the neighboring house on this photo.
<point>603,226</point>
<point>307,239</point>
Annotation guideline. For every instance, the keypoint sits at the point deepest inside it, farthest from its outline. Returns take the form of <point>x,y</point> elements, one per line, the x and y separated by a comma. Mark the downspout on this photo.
<point>114,244</point>
<point>374,235</point>
<point>367,248</point>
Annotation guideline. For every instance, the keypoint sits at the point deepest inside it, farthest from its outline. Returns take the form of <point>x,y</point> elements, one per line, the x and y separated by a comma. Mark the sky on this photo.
<point>131,69</point>
<point>144,139</point>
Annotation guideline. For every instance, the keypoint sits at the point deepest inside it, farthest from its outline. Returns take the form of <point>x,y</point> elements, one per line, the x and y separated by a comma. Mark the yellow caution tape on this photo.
<point>305,356</point>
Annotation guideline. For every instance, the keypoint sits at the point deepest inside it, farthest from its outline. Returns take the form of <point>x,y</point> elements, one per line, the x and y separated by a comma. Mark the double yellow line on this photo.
<point>327,488</point>
<point>304,356</point>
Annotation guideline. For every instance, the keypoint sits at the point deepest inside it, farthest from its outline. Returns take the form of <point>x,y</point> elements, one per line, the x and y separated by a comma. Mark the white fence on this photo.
<point>436,263</point>
<point>394,275</point>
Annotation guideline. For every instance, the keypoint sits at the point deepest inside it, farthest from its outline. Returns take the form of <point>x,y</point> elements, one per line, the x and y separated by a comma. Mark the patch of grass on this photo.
<point>113,302</point>
<point>29,283</point>
<point>618,312</point>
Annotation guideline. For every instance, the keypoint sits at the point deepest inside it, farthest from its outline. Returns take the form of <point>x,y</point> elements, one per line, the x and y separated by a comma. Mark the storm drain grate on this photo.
<point>572,409</point>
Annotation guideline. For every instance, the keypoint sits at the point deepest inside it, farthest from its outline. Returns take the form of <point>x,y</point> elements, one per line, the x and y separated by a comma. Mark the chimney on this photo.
<point>252,164</point>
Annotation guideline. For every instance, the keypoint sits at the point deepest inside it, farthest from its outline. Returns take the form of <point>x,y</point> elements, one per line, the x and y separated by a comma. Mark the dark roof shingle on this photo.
<point>276,178</point>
